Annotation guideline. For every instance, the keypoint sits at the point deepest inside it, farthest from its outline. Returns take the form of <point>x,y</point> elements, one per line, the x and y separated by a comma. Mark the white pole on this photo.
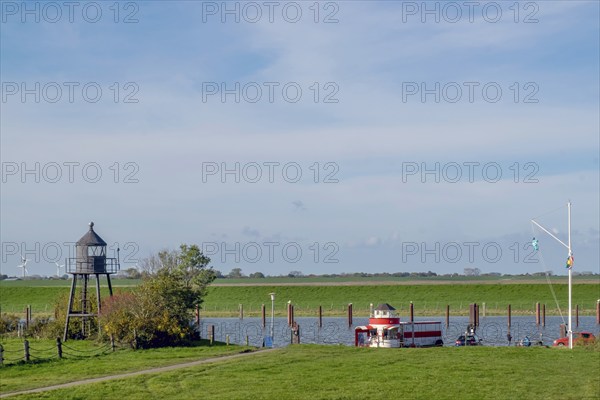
<point>570,330</point>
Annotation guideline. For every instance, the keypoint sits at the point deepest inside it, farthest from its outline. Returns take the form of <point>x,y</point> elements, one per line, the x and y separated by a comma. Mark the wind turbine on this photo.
<point>23,264</point>
<point>58,267</point>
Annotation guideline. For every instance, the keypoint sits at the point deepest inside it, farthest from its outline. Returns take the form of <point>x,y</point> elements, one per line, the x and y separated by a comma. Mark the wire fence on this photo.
<point>15,352</point>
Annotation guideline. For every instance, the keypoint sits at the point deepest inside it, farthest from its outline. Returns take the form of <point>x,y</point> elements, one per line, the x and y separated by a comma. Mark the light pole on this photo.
<point>272,316</point>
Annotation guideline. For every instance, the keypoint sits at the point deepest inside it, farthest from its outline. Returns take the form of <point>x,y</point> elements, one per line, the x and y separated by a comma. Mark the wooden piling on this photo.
<point>447,315</point>
<point>241,311</point>
<point>247,341</point>
<point>472,314</point>
<point>349,315</point>
<point>508,310</point>
<point>26,349</point>
<point>483,310</point>
<point>292,316</point>
<point>544,315</point>
<point>537,314</point>
<point>289,313</point>
<point>211,334</point>
<point>321,316</point>
<point>412,312</point>
<point>476,308</point>
<point>263,314</point>
<point>577,315</point>
<point>227,340</point>
<point>598,312</point>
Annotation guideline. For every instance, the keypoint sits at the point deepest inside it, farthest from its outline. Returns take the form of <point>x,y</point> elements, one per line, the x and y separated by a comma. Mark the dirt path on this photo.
<point>135,373</point>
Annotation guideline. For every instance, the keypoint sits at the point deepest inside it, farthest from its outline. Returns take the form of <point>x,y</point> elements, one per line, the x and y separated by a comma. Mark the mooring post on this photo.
<point>26,349</point>
<point>447,315</point>
<point>59,347</point>
<point>349,315</point>
<point>476,308</point>
<point>412,312</point>
<point>537,313</point>
<point>508,312</point>
<point>544,315</point>
<point>241,311</point>
<point>472,314</point>
<point>598,311</point>
<point>483,310</point>
<point>289,313</point>
<point>247,341</point>
<point>292,316</point>
<point>577,315</point>
<point>227,340</point>
<point>211,334</point>
<point>263,315</point>
<point>321,316</point>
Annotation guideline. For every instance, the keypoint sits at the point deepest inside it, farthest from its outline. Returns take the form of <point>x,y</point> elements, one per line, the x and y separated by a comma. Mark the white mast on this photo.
<point>570,327</point>
<point>568,246</point>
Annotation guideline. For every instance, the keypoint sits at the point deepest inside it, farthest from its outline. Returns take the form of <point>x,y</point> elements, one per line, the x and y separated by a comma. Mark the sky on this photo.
<point>321,137</point>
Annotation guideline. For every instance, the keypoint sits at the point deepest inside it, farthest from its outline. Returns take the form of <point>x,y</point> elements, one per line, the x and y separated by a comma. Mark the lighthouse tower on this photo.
<point>90,259</point>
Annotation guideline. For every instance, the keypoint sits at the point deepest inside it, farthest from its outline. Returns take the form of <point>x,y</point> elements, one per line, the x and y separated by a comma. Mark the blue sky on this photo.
<point>374,216</point>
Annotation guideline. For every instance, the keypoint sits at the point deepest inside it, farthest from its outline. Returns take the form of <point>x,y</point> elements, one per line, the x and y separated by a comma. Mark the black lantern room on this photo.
<point>90,259</point>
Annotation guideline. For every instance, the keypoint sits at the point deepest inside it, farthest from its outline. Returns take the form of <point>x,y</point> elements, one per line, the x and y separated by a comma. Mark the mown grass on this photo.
<point>87,359</point>
<point>427,299</point>
<point>338,372</point>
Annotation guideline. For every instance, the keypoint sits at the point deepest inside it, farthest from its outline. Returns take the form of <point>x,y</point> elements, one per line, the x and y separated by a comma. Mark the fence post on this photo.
<point>26,348</point>
<point>58,347</point>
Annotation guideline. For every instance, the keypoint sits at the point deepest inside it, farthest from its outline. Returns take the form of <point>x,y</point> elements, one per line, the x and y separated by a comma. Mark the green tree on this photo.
<point>235,273</point>
<point>158,311</point>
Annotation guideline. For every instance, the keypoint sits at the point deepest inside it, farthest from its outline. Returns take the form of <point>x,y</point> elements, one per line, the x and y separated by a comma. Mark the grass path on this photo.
<point>135,373</point>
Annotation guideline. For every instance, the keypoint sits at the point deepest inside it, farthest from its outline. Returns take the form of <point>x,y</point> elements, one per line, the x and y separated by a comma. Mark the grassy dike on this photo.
<point>429,299</point>
<point>339,372</point>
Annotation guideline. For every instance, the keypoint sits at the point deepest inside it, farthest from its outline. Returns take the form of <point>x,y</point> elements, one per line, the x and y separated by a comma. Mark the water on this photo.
<point>335,331</point>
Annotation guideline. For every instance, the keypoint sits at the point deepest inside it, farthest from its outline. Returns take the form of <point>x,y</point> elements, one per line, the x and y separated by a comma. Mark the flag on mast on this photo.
<point>570,261</point>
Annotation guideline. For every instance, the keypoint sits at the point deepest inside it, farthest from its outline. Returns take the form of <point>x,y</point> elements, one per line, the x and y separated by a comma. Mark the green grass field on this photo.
<point>338,372</point>
<point>429,299</point>
<point>86,359</point>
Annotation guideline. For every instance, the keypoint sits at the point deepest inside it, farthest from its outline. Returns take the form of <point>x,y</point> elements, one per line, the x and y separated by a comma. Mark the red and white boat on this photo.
<point>386,330</point>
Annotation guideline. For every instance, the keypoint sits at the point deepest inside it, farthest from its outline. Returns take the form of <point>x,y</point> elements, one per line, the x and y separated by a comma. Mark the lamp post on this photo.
<point>272,314</point>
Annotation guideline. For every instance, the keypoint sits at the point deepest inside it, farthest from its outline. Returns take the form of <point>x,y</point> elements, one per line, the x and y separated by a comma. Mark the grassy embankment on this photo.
<point>428,298</point>
<point>339,372</point>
